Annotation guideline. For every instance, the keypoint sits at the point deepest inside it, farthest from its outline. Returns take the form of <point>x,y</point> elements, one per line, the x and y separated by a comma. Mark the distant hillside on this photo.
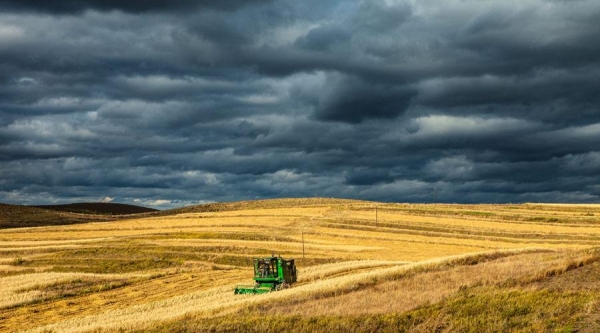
<point>99,208</point>
<point>15,216</point>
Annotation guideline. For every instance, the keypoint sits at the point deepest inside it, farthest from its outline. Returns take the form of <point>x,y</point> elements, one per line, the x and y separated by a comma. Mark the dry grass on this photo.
<point>431,285</point>
<point>29,288</point>
<point>221,299</point>
<point>162,267</point>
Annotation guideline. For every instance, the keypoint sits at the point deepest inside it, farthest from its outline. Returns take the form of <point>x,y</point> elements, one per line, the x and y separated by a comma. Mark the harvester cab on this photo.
<point>271,273</point>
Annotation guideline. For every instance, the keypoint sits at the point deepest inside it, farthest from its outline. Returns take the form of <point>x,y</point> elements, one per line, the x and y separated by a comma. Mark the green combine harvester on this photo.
<point>271,273</point>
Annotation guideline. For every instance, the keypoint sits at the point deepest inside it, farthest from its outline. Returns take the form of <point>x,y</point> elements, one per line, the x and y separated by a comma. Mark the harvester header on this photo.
<point>271,273</point>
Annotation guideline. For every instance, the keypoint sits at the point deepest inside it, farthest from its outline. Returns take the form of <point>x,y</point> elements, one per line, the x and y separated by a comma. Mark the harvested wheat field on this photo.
<point>366,267</point>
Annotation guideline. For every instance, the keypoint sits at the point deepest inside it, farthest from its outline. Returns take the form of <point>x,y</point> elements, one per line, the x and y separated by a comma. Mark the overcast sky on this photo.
<point>169,103</point>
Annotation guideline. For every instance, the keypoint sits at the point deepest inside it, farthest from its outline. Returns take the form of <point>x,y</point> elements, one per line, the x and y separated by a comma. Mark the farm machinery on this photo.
<point>270,274</point>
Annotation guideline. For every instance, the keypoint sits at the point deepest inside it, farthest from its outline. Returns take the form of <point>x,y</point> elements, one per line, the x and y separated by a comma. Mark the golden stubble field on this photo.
<point>361,259</point>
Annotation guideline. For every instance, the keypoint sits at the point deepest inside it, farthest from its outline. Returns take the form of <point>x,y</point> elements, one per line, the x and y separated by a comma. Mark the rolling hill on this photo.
<point>16,216</point>
<point>404,267</point>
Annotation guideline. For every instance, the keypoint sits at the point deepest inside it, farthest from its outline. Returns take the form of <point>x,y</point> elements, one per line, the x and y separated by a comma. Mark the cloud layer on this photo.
<point>165,103</point>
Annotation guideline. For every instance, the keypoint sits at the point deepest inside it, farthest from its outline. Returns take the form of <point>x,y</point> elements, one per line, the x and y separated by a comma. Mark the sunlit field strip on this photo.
<point>341,236</point>
<point>337,242</point>
<point>122,228</point>
<point>89,234</point>
<point>392,241</point>
<point>141,292</point>
<point>464,235</point>
<point>37,248</point>
<point>483,225</point>
<point>297,247</point>
<point>428,287</point>
<point>497,211</point>
<point>14,288</point>
<point>221,298</point>
<point>8,244</point>
<point>564,205</point>
<point>491,212</point>
<point>538,208</point>
<point>476,223</point>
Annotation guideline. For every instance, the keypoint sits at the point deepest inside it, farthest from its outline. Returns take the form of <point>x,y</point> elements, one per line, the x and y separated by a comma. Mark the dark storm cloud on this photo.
<point>171,103</point>
<point>132,6</point>
<point>354,100</point>
<point>556,96</point>
<point>381,17</point>
<point>369,177</point>
<point>323,38</point>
